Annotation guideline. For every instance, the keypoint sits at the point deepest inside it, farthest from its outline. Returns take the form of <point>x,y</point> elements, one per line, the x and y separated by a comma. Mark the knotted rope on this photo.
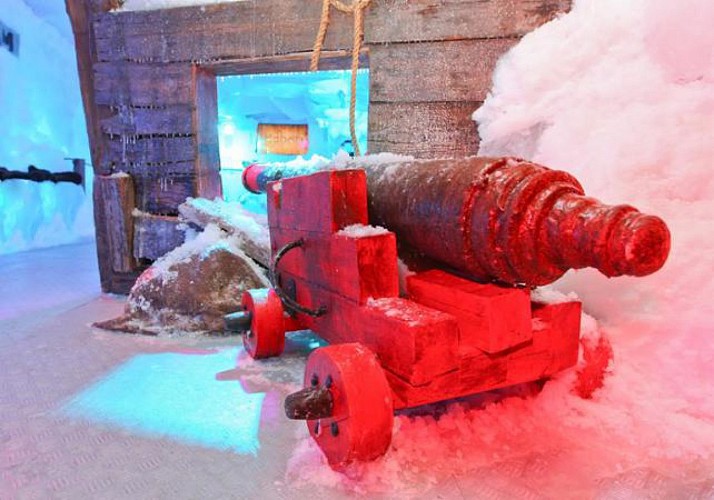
<point>357,9</point>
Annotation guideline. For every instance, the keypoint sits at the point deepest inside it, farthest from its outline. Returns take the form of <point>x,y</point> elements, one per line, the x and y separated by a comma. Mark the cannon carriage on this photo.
<point>466,326</point>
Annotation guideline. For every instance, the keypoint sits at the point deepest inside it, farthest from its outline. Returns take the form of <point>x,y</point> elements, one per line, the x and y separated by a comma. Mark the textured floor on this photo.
<point>89,414</point>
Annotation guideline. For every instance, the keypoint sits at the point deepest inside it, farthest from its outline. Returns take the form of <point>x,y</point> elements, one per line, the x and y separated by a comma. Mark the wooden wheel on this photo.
<point>266,336</point>
<point>357,423</point>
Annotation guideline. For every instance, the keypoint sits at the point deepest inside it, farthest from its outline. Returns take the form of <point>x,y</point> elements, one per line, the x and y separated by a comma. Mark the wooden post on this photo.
<point>114,202</point>
<point>80,14</point>
<point>205,122</point>
<point>155,235</point>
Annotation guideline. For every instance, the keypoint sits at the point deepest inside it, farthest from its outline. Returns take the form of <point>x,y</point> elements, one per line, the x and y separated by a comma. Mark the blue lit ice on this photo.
<point>177,396</point>
<point>320,100</point>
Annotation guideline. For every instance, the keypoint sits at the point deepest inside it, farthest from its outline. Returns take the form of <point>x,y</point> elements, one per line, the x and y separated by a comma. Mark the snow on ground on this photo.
<point>622,95</point>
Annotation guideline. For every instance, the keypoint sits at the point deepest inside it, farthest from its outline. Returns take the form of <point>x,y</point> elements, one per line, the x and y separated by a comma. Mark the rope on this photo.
<point>357,10</point>
<point>288,302</point>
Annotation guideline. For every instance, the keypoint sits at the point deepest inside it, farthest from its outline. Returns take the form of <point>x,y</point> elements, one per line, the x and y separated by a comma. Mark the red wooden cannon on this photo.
<point>449,335</point>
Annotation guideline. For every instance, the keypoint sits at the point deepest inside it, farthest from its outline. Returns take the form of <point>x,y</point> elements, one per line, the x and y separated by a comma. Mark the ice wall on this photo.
<point>43,214</point>
<point>43,123</point>
<point>39,95</point>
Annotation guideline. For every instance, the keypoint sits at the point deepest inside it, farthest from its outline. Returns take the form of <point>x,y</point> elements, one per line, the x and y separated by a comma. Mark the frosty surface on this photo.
<point>503,219</point>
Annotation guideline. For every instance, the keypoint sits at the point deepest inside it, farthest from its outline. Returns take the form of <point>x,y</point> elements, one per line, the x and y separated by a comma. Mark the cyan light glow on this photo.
<point>318,99</point>
<point>176,395</point>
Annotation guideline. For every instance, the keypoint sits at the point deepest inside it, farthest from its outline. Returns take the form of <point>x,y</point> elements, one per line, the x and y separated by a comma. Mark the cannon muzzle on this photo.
<point>501,219</point>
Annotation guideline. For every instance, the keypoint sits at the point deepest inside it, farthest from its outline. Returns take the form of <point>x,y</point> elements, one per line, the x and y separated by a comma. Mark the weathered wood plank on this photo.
<point>427,20</point>
<point>423,130</point>
<point>161,194</point>
<point>156,149</point>
<point>147,121</point>
<point>180,168</point>
<point>434,71</point>
<point>223,31</point>
<point>299,62</point>
<point>114,203</point>
<point>123,282</point>
<point>269,27</point>
<point>134,84</point>
<point>155,235</point>
<point>205,120</point>
<point>80,14</point>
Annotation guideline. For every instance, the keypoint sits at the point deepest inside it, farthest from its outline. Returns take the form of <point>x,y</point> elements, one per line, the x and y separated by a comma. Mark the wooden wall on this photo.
<point>148,82</point>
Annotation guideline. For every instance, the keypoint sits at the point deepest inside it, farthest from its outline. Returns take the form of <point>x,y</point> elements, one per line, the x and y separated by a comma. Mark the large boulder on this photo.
<point>191,288</point>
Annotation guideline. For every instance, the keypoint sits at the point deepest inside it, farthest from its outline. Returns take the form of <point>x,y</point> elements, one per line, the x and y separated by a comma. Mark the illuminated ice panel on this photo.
<point>320,100</point>
<point>176,395</point>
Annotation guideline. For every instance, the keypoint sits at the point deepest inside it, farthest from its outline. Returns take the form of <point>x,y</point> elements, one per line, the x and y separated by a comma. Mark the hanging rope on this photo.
<point>357,10</point>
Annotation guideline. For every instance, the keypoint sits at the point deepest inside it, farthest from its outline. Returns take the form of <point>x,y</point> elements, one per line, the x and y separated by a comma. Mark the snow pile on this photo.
<point>129,5</point>
<point>621,94</point>
<point>231,214</point>
<point>343,160</point>
<point>203,243</point>
<point>191,288</point>
<point>361,231</point>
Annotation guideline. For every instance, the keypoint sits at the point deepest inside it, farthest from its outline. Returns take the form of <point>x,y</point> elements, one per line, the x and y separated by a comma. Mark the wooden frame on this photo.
<point>148,82</point>
<point>205,91</point>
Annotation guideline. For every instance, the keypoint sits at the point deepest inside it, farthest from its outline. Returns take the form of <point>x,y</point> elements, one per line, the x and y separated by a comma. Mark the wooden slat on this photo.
<point>223,31</point>
<point>423,130</point>
<point>424,20</point>
<point>144,150</point>
<point>114,202</point>
<point>133,84</point>
<point>299,62</point>
<point>180,168</point>
<point>162,194</point>
<point>122,283</point>
<point>269,27</point>
<point>434,71</point>
<point>80,13</point>
<point>155,235</point>
<point>204,125</point>
<point>147,121</point>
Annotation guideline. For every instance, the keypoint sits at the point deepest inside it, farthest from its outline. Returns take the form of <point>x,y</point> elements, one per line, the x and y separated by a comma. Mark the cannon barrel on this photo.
<point>501,219</point>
